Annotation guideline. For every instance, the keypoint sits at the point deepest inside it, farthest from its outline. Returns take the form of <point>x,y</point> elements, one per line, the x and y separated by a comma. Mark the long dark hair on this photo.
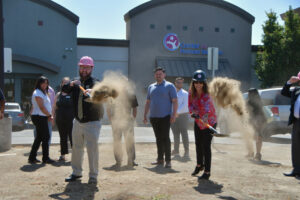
<point>39,81</point>
<point>193,90</point>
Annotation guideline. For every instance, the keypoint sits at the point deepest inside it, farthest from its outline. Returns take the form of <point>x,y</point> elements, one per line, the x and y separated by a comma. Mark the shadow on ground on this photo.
<point>265,162</point>
<point>278,140</point>
<point>77,190</point>
<point>208,187</point>
<point>119,169</point>
<point>161,170</point>
<point>31,167</point>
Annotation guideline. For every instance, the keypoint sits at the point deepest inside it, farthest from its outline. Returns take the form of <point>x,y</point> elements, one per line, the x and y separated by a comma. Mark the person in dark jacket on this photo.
<point>63,111</point>
<point>257,118</point>
<point>294,119</point>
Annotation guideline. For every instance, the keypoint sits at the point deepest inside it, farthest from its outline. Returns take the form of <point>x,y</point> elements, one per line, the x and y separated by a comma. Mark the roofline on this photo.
<point>219,3</point>
<point>102,42</point>
<point>35,61</point>
<point>58,8</point>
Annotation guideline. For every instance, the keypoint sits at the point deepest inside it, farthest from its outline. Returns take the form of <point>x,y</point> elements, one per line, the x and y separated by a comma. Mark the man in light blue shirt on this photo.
<point>161,101</point>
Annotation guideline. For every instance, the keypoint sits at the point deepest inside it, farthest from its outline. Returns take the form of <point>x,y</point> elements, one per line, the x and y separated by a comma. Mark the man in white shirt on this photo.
<point>181,124</point>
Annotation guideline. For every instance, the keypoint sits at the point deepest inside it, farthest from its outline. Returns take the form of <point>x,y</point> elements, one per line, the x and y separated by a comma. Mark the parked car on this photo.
<point>17,115</point>
<point>277,110</point>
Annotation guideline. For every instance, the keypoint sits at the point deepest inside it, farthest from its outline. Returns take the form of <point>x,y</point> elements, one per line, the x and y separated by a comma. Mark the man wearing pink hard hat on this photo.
<point>295,120</point>
<point>86,125</point>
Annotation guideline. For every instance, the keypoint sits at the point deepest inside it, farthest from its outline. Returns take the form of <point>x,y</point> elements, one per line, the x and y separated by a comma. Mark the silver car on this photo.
<point>17,115</point>
<point>277,110</point>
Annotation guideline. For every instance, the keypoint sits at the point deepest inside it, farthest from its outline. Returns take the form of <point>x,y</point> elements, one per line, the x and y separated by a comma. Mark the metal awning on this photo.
<point>185,67</point>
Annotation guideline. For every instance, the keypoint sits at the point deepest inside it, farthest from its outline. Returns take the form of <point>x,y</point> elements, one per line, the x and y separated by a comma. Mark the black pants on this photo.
<point>179,127</point>
<point>64,127</point>
<point>296,146</point>
<point>203,146</point>
<point>161,127</point>
<point>42,136</point>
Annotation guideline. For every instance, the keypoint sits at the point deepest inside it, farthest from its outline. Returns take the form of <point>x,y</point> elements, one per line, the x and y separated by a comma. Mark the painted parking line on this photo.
<point>9,154</point>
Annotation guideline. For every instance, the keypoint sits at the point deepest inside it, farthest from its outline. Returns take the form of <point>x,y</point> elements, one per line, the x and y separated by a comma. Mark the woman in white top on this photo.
<point>40,116</point>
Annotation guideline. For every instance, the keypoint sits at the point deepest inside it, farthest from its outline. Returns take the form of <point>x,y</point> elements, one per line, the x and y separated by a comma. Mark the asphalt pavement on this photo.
<point>142,135</point>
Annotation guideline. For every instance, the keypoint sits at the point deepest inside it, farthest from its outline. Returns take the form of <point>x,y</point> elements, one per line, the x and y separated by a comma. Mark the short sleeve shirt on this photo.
<point>46,100</point>
<point>160,96</point>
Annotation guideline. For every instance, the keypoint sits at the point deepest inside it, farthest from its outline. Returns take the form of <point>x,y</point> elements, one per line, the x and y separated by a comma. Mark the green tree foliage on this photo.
<point>291,46</point>
<point>269,59</point>
<point>279,57</point>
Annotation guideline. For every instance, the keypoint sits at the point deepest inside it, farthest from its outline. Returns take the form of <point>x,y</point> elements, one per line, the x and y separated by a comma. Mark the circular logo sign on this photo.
<point>171,42</point>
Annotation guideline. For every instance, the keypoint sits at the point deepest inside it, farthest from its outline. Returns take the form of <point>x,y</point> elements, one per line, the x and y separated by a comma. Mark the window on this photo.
<point>232,30</point>
<point>40,23</point>
<point>152,26</point>
<point>201,29</point>
<point>217,29</point>
<point>185,28</point>
<point>169,27</point>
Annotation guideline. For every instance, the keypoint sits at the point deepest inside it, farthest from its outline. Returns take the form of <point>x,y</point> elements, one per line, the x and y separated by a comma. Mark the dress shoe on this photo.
<point>48,161</point>
<point>132,164</point>
<point>168,164</point>
<point>158,162</point>
<point>197,170</point>
<point>72,178</point>
<point>174,153</point>
<point>93,181</point>
<point>205,176</point>
<point>34,161</point>
<point>292,174</point>
<point>257,156</point>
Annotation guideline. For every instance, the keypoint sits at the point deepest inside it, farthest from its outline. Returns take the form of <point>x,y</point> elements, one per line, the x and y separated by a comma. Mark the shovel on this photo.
<point>215,132</point>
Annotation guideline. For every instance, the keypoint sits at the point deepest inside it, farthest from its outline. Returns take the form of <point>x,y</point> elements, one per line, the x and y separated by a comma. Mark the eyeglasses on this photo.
<point>198,82</point>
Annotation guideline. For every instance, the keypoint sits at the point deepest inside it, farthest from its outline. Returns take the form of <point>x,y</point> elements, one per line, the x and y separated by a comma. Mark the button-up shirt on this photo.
<point>183,99</point>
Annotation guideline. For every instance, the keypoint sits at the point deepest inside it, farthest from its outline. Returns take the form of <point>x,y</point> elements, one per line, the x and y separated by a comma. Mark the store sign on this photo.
<point>171,43</point>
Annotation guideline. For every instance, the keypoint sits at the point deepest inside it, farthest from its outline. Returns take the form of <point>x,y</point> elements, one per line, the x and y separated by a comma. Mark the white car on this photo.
<point>277,111</point>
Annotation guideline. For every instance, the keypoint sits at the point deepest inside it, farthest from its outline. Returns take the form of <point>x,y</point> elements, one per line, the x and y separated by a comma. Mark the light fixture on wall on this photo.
<point>69,49</point>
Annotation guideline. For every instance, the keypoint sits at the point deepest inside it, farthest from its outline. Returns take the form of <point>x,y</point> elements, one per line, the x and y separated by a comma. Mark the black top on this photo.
<point>2,98</point>
<point>64,107</point>
<point>91,111</point>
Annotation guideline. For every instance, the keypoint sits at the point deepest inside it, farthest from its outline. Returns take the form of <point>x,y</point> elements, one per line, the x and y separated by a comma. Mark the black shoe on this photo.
<point>204,176</point>
<point>197,170</point>
<point>158,162</point>
<point>168,164</point>
<point>33,161</point>
<point>292,174</point>
<point>48,161</point>
<point>72,178</point>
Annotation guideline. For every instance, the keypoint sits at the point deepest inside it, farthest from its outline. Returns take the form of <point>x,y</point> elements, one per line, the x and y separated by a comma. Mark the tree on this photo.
<point>269,61</point>
<point>291,47</point>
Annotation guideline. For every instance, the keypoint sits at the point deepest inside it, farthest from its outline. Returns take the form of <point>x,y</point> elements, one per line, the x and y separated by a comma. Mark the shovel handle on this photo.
<point>84,91</point>
<point>197,117</point>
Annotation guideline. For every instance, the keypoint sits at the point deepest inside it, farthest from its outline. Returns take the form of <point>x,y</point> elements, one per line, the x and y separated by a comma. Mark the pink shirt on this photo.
<point>204,107</point>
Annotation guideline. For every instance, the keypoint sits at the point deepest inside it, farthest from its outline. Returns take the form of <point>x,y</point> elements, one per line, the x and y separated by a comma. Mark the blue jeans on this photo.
<point>50,132</point>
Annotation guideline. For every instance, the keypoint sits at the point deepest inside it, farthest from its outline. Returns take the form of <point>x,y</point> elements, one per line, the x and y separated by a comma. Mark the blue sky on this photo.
<point>105,19</point>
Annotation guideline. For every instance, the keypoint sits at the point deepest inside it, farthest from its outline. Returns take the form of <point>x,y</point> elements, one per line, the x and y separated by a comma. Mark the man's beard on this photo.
<point>84,77</point>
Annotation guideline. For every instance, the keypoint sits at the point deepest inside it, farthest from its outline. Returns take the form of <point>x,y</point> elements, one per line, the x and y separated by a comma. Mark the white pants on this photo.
<point>85,133</point>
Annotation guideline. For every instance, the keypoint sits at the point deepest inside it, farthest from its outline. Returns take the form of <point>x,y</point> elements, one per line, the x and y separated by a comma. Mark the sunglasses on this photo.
<point>199,82</point>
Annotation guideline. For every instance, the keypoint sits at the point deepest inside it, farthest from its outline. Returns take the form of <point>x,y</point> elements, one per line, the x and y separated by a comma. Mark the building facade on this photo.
<point>176,34</point>
<point>43,39</point>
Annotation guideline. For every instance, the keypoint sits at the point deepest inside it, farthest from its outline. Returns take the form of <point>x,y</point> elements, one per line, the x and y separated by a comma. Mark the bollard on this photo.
<point>5,133</point>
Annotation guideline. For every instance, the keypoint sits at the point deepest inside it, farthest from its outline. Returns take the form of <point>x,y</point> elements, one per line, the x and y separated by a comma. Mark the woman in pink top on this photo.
<point>201,104</point>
